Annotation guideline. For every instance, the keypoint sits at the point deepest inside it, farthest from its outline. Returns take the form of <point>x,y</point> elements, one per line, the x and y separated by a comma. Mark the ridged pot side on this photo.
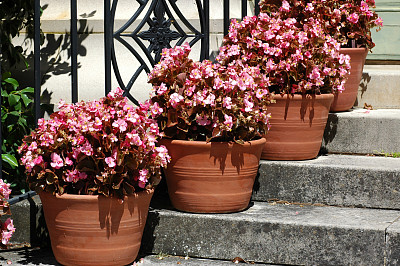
<point>345,100</point>
<point>95,230</point>
<point>215,177</point>
<point>297,126</point>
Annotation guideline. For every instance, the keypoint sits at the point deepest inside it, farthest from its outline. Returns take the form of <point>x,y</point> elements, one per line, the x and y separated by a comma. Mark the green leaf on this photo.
<point>4,93</point>
<point>14,113</point>
<point>28,90</point>
<point>13,82</point>
<point>10,159</point>
<point>13,99</point>
<point>22,121</point>
<point>26,99</point>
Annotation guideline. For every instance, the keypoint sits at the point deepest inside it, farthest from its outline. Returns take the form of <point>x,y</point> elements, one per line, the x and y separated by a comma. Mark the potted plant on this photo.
<point>213,118</point>
<point>94,165</point>
<point>7,227</point>
<point>302,66</point>
<point>348,21</point>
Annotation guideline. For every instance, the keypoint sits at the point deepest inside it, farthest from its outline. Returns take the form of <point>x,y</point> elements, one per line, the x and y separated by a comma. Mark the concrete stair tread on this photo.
<point>44,257</point>
<point>346,161</point>
<point>363,131</point>
<point>280,234</point>
<point>341,180</point>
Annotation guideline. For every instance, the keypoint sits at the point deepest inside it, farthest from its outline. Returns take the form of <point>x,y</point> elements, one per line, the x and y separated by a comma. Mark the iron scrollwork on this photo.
<point>162,29</point>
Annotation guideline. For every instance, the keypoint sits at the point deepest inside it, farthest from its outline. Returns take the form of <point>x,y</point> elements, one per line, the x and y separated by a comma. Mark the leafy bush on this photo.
<point>17,120</point>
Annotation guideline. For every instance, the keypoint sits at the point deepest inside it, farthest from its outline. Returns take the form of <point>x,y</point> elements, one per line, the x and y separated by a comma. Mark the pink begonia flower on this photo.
<point>6,235</point>
<point>202,120</point>
<point>309,7</point>
<point>5,189</point>
<point>143,177</point>
<point>33,146</point>
<point>285,6</point>
<point>195,74</point>
<point>260,93</point>
<point>307,54</point>
<point>156,109</point>
<point>9,225</point>
<point>110,162</point>
<point>134,139</point>
<point>174,99</point>
<point>8,230</point>
<point>68,161</point>
<point>379,22</point>
<point>249,104</point>
<point>228,121</point>
<point>120,124</point>
<point>163,154</point>
<point>190,90</point>
<point>353,18</point>
<point>210,100</point>
<point>38,160</point>
<point>87,149</point>
<point>302,38</point>
<point>57,161</point>
<point>364,6</point>
<point>162,89</point>
<point>315,74</point>
<point>227,103</point>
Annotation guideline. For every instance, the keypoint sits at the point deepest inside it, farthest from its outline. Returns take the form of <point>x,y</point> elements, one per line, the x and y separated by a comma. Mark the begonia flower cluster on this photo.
<point>294,58</point>
<point>204,101</point>
<point>103,146</point>
<point>348,21</point>
<point>7,228</point>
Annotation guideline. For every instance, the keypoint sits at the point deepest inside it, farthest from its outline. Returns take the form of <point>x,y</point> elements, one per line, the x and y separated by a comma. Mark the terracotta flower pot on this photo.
<point>297,126</point>
<point>215,177</point>
<point>345,100</point>
<point>95,230</point>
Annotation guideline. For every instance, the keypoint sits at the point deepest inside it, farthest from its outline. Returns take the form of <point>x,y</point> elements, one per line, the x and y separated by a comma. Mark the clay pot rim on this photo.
<point>355,49</point>
<point>93,197</point>
<point>202,143</point>
<point>300,96</point>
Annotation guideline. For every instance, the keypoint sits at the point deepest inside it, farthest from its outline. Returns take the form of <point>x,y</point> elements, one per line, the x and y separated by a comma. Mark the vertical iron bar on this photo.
<point>74,51</point>
<point>1,129</point>
<point>244,8</point>
<point>207,28</point>
<point>36,63</point>
<point>107,45</point>
<point>226,17</point>
<point>257,7</point>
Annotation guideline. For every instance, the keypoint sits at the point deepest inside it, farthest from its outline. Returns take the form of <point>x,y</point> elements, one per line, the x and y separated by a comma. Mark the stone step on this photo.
<point>339,180</point>
<point>362,131</point>
<point>280,234</point>
<point>379,87</point>
<point>44,257</point>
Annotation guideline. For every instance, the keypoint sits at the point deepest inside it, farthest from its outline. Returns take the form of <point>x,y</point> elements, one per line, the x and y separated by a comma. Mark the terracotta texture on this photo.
<point>297,126</point>
<point>215,177</point>
<point>95,230</point>
<point>345,100</point>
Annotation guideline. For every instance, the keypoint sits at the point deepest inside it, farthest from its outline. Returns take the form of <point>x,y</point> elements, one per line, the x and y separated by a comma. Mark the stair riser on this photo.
<point>328,184</point>
<point>280,240</point>
<point>362,132</point>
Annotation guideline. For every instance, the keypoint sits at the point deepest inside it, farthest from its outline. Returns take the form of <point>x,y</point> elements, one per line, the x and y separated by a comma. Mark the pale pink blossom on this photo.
<point>353,18</point>
<point>57,161</point>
